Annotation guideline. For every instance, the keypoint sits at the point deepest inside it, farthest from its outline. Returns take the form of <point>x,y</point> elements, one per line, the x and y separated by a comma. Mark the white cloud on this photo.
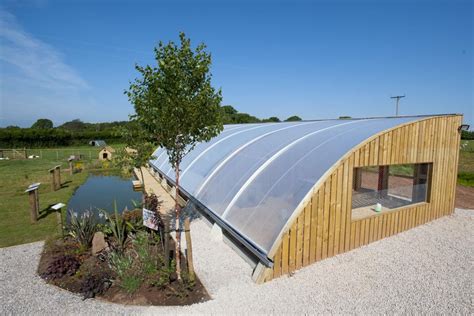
<point>37,61</point>
<point>36,82</point>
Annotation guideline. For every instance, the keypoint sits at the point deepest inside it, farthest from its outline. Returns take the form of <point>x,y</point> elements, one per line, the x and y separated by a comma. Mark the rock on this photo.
<point>98,243</point>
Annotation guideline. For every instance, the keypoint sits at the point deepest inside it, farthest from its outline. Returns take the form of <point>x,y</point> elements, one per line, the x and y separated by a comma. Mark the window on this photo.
<point>383,188</point>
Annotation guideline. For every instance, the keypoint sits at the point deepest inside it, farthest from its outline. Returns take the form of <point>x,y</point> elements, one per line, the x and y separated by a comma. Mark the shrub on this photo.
<point>120,263</point>
<point>131,282</point>
<point>82,228</point>
<point>128,277</point>
<point>95,284</point>
<point>61,266</point>
<point>152,203</point>
<point>135,218</point>
<point>118,226</point>
<point>145,254</point>
<point>466,179</point>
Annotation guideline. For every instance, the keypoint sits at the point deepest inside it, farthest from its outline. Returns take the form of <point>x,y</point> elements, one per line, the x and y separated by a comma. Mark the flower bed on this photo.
<point>120,261</point>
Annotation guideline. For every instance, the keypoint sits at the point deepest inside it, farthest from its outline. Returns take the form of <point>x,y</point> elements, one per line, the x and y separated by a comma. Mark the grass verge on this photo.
<point>16,175</point>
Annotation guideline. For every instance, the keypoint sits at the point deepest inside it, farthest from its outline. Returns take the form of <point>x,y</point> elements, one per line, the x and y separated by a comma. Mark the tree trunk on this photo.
<point>178,233</point>
<point>143,188</point>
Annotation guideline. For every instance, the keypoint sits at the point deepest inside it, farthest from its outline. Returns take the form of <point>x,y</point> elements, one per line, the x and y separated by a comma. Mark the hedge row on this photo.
<point>28,137</point>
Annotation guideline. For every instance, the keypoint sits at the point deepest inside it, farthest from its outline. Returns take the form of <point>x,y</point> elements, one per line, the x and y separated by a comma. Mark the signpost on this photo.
<point>55,177</point>
<point>57,171</point>
<point>33,195</point>
<point>59,215</point>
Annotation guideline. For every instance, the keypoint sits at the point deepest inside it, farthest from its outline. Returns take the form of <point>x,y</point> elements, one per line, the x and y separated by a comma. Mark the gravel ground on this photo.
<point>428,269</point>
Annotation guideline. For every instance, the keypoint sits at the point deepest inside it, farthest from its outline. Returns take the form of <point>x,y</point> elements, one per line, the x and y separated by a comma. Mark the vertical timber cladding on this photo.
<point>324,227</point>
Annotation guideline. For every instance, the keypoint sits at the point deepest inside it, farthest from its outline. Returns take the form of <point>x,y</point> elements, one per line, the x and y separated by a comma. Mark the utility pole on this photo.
<point>398,97</point>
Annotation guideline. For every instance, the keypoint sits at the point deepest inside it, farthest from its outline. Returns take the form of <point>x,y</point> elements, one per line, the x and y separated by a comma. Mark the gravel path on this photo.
<point>428,269</point>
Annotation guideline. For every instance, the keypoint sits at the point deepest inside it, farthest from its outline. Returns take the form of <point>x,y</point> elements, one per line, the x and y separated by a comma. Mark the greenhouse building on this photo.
<point>292,193</point>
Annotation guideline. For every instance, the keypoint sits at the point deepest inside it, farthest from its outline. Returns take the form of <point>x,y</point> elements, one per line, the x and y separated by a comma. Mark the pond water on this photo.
<point>100,192</point>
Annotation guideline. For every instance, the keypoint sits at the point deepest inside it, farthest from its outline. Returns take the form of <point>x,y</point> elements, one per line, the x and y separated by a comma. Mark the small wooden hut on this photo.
<point>106,153</point>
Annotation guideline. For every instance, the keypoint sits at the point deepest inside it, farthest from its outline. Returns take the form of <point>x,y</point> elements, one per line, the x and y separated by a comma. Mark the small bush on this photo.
<point>466,179</point>
<point>131,282</point>
<point>95,284</point>
<point>120,263</point>
<point>61,266</point>
<point>119,228</point>
<point>152,203</point>
<point>135,218</point>
<point>82,228</point>
<point>146,256</point>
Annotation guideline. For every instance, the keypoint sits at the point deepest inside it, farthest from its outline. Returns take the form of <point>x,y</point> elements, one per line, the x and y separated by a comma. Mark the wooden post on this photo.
<point>166,242</point>
<point>33,214</point>
<point>33,197</point>
<point>383,180</point>
<point>57,171</point>
<point>37,201</point>
<point>59,215</point>
<point>189,249</point>
<point>53,179</point>
<point>357,179</point>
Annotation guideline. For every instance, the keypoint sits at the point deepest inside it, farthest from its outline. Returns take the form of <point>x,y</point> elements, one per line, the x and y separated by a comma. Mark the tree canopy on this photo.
<point>43,124</point>
<point>272,119</point>
<point>293,118</point>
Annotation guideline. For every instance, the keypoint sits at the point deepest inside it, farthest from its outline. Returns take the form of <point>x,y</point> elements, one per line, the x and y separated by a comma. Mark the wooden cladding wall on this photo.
<point>324,227</point>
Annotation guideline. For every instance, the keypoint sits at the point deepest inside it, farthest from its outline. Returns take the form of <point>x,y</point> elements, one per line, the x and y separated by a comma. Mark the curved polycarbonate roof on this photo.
<point>253,176</point>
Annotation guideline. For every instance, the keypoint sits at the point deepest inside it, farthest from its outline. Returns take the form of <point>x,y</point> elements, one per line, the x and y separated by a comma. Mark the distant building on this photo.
<point>106,153</point>
<point>98,143</point>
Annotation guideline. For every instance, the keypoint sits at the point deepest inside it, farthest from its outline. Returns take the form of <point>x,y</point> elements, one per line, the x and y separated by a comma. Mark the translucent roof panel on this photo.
<point>253,176</point>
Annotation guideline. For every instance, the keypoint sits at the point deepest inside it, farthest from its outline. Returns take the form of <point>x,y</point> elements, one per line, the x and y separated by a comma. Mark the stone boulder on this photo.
<point>98,243</point>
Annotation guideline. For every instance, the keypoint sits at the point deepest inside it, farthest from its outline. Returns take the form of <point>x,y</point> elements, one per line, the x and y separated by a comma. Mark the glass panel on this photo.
<point>383,188</point>
<point>224,185</point>
<point>199,148</point>
<point>202,165</point>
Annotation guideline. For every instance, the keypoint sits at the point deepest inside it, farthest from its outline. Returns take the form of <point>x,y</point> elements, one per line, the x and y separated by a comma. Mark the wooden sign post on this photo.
<point>57,171</point>
<point>33,196</point>
<point>59,215</point>
<point>55,177</point>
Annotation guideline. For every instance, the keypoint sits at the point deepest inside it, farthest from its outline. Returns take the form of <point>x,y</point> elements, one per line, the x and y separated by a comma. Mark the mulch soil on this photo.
<point>174,293</point>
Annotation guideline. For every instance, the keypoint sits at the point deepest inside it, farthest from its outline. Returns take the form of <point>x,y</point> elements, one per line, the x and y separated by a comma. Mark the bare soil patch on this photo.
<point>464,197</point>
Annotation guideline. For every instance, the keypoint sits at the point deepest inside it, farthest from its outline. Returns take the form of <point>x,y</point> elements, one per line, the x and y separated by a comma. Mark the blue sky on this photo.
<point>73,59</point>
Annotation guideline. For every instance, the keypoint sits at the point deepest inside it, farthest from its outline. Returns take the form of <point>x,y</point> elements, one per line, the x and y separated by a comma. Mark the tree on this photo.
<point>139,149</point>
<point>176,104</point>
<point>74,125</point>
<point>293,118</point>
<point>232,116</point>
<point>42,124</point>
<point>272,119</point>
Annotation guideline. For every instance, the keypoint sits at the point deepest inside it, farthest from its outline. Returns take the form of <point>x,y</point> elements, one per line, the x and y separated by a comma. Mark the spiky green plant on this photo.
<point>82,227</point>
<point>118,226</point>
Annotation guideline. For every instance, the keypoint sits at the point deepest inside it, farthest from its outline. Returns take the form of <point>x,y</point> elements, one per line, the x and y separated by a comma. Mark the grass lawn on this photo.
<point>16,175</point>
<point>466,163</point>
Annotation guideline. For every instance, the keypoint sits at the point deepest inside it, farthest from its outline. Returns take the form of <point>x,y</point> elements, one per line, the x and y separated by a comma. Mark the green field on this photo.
<point>16,175</point>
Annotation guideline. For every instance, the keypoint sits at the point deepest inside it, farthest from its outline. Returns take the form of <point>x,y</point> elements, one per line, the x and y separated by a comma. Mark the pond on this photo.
<point>100,192</point>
